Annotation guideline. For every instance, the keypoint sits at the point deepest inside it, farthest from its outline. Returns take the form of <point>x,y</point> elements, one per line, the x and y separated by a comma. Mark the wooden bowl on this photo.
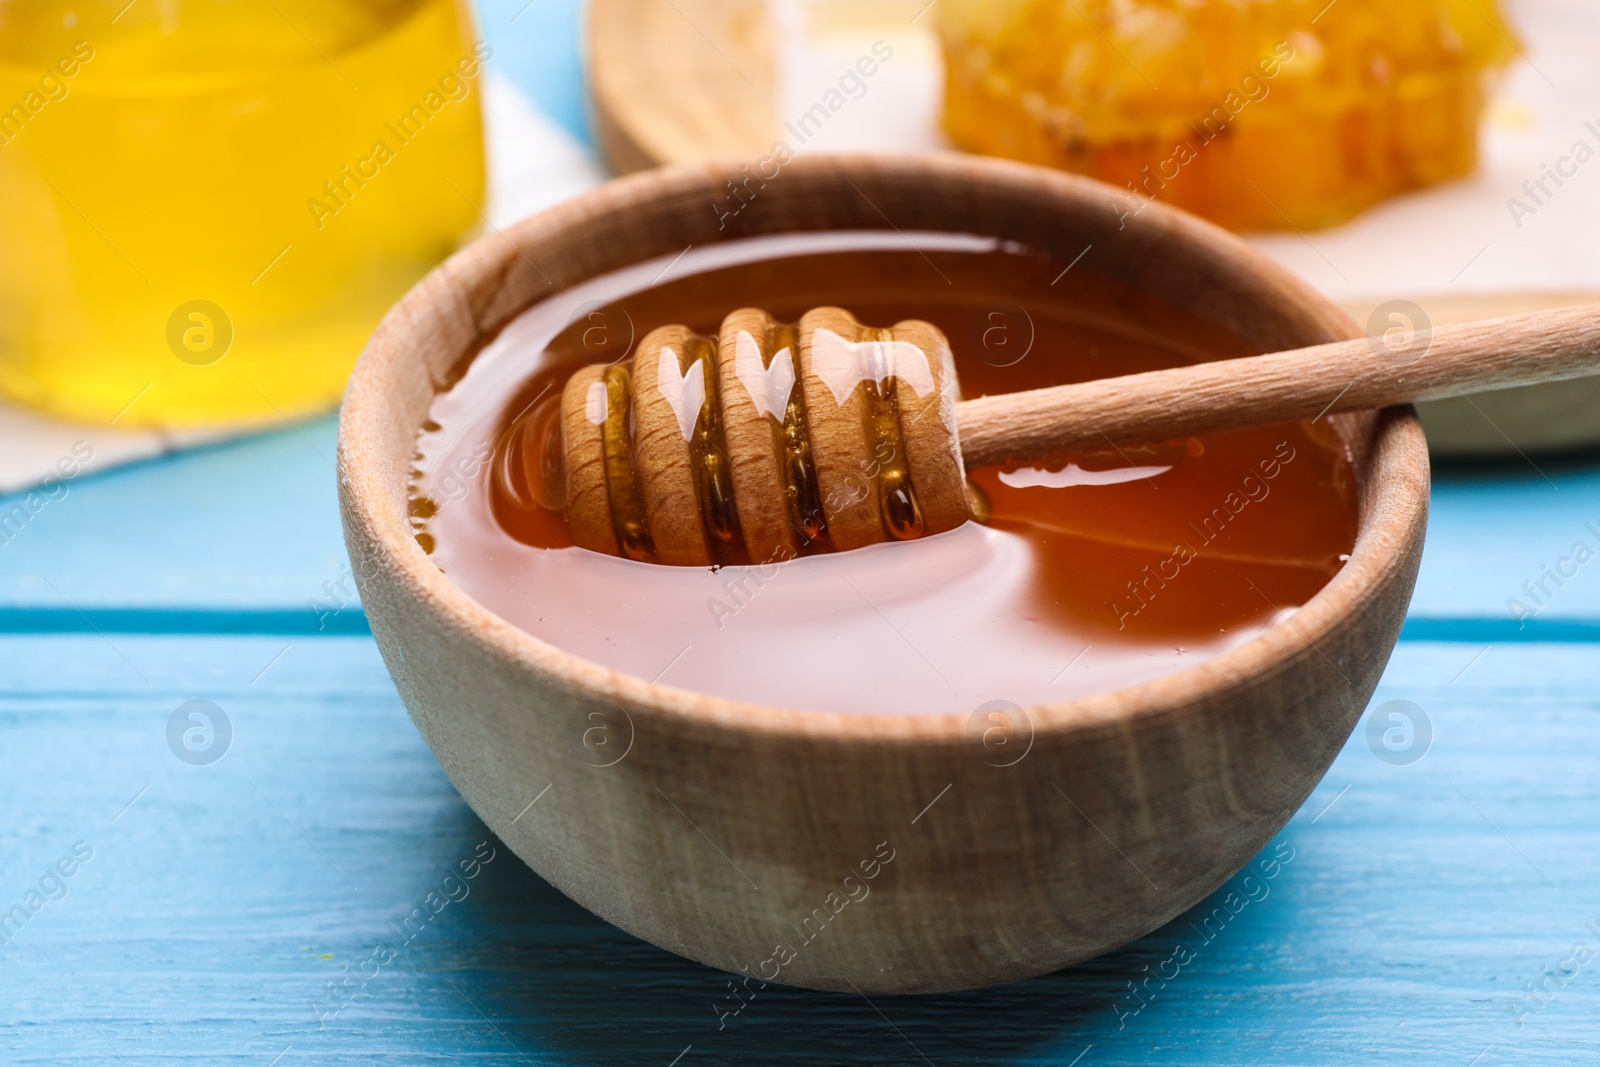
<point>737,834</point>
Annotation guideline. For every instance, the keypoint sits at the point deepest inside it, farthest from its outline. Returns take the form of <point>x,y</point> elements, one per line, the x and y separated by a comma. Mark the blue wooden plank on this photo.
<point>1499,533</point>
<point>248,524</point>
<point>328,620</point>
<point>1478,630</point>
<point>1419,904</point>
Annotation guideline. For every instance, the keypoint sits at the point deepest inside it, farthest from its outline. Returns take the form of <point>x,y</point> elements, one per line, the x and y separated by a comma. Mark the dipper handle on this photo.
<point>1305,383</point>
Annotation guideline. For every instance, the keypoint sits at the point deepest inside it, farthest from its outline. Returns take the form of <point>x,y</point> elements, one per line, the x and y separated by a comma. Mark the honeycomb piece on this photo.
<point>1256,114</point>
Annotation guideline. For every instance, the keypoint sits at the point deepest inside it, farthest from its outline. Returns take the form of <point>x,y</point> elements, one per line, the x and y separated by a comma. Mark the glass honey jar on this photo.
<point>207,205</point>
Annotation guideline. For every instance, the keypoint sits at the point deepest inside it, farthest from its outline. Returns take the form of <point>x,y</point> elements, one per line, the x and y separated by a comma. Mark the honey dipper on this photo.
<point>774,439</point>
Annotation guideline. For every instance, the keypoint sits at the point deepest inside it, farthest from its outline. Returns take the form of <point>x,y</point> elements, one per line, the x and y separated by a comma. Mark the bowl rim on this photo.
<point>1383,527</point>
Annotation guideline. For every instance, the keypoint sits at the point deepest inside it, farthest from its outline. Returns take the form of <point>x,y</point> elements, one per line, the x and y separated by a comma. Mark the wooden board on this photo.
<point>1533,420</point>
<point>681,80</point>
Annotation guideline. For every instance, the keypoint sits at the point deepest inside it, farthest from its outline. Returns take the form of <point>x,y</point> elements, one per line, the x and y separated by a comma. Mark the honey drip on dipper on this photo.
<point>770,441</point>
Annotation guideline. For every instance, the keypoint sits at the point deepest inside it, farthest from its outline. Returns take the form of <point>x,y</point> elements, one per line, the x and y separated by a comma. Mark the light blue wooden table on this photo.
<point>1441,912</point>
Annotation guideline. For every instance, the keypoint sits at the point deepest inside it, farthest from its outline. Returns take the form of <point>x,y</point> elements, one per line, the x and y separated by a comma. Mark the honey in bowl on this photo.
<point>1089,573</point>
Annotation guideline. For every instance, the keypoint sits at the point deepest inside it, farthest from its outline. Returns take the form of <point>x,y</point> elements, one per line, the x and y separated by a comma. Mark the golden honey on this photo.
<point>1091,573</point>
<point>1270,114</point>
<point>207,207</point>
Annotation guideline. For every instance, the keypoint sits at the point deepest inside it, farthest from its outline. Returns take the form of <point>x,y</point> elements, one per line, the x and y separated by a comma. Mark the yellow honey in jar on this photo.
<point>207,205</point>
<point>1257,114</point>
